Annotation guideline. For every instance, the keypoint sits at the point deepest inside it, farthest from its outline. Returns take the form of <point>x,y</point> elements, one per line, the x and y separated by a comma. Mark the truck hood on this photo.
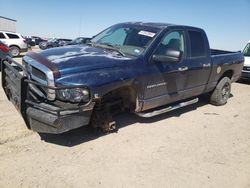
<point>247,61</point>
<point>80,58</point>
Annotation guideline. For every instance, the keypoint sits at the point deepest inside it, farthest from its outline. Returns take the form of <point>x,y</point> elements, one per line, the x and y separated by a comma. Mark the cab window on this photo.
<point>197,44</point>
<point>173,41</point>
<point>12,36</point>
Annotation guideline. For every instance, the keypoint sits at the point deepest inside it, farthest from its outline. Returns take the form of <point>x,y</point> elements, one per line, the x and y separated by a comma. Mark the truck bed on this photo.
<point>224,61</point>
<point>220,52</point>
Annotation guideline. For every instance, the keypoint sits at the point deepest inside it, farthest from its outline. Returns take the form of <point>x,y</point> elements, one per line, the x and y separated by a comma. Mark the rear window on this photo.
<point>197,44</point>
<point>12,36</point>
<point>2,36</point>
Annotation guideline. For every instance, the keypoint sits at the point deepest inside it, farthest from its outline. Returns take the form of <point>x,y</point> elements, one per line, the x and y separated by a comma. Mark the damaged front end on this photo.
<point>44,106</point>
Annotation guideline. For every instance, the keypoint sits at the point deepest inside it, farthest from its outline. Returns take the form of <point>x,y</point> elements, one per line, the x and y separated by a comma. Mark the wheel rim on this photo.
<point>14,52</point>
<point>225,91</point>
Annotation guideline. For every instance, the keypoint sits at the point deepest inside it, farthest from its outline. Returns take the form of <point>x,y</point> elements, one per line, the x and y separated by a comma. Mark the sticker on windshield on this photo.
<point>137,51</point>
<point>146,33</point>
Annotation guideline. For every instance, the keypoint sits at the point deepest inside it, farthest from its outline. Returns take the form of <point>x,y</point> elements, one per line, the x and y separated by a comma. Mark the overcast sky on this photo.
<point>227,22</point>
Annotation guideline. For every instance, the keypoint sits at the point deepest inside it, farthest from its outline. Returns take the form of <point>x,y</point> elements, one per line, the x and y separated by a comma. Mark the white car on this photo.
<point>246,69</point>
<point>15,41</point>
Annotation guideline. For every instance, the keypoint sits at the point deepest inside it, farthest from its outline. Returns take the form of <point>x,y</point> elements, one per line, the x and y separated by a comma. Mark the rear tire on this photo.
<point>14,51</point>
<point>221,93</point>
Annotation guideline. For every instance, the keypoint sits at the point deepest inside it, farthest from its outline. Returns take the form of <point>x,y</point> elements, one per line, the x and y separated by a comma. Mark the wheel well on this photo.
<point>125,96</point>
<point>14,46</point>
<point>228,73</point>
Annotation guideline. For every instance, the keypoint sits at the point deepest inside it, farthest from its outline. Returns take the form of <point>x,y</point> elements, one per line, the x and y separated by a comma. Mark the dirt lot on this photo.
<point>198,146</point>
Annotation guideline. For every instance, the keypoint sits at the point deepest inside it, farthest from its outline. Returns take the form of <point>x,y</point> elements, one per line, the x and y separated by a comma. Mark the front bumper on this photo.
<point>41,116</point>
<point>46,122</point>
<point>245,75</point>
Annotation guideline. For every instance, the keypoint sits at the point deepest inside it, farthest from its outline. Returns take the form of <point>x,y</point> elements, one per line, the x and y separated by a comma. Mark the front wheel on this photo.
<point>222,92</point>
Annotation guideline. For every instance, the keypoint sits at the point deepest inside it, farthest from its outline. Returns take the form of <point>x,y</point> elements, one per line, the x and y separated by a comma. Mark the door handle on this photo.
<point>183,68</point>
<point>207,65</point>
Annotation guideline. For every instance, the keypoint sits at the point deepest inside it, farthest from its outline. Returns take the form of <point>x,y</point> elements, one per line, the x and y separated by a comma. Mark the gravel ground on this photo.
<point>197,146</point>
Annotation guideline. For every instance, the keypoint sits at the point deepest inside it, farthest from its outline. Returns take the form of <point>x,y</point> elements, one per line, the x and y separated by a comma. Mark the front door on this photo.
<point>166,81</point>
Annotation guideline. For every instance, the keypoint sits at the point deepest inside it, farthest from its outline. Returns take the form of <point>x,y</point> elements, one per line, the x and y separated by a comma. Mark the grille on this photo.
<point>41,74</point>
<point>25,65</point>
<point>246,68</point>
<point>36,75</point>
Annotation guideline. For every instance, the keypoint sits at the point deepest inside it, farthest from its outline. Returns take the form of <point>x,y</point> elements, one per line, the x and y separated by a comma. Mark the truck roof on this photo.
<point>151,24</point>
<point>158,25</point>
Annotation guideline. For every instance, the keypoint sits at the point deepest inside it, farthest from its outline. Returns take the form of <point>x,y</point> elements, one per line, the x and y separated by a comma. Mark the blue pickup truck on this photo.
<point>147,68</point>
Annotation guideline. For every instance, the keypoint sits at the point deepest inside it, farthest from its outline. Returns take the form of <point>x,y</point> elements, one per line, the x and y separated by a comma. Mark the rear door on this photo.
<point>199,63</point>
<point>167,80</point>
<point>14,39</point>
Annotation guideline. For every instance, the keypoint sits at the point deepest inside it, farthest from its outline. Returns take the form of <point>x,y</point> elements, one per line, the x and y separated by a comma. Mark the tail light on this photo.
<point>4,48</point>
<point>24,40</point>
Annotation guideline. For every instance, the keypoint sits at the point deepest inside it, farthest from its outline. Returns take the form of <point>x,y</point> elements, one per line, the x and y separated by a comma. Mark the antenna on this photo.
<point>80,27</point>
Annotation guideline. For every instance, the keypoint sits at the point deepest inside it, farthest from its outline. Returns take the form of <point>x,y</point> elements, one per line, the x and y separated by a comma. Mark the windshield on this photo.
<point>128,40</point>
<point>246,51</point>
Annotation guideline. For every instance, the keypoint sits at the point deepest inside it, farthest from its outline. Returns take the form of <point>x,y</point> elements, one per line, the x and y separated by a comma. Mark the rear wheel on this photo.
<point>14,51</point>
<point>222,92</point>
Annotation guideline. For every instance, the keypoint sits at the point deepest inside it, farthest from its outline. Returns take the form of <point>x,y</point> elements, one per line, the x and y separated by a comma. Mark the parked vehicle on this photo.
<point>4,51</point>
<point>15,41</point>
<point>246,69</point>
<point>34,40</point>
<point>31,42</point>
<point>52,43</point>
<point>38,40</point>
<point>79,40</point>
<point>63,42</point>
<point>148,68</point>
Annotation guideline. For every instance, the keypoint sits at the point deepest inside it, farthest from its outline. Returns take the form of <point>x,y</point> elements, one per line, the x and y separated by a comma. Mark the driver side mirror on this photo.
<point>171,56</point>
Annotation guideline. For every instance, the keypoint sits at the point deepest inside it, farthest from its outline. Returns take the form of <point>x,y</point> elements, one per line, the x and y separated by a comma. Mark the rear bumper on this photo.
<point>41,116</point>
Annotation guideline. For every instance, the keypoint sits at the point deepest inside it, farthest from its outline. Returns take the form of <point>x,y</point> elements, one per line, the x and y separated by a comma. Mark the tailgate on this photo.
<point>13,83</point>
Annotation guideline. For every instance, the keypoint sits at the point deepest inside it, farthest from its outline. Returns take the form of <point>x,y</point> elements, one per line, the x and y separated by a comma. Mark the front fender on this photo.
<point>101,81</point>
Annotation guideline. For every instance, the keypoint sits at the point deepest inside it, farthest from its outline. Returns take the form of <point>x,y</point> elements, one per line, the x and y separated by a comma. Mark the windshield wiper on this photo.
<point>110,46</point>
<point>106,46</point>
<point>90,43</point>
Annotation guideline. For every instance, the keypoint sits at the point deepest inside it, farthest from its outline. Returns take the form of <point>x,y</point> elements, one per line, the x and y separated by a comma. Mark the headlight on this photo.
<point>73,95</point>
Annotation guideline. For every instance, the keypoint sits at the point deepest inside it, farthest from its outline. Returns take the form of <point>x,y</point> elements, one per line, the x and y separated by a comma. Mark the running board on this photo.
<point>168,109</point>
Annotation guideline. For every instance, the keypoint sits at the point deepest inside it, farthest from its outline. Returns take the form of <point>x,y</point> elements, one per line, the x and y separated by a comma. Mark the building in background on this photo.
<point>7,24</point>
